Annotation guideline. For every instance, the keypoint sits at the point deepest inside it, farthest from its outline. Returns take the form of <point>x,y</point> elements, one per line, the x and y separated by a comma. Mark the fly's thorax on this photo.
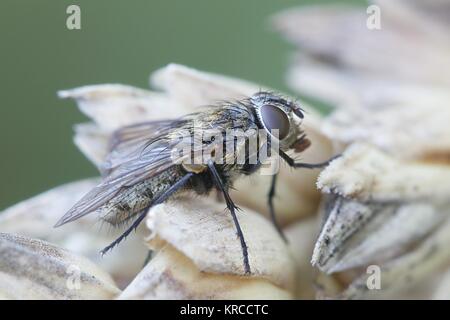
<point>219,135</point>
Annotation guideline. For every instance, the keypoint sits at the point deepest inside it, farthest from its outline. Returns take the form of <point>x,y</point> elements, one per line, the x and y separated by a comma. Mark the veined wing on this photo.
<point>129,142</point>
<point>139,152</point>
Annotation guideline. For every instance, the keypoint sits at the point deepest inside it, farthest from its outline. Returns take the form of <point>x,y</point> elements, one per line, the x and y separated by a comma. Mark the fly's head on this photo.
<point>281,119</point>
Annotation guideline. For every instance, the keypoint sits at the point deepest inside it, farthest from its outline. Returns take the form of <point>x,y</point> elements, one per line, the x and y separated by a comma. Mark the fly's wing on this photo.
<point>129,142</point>
<point>139,152</point>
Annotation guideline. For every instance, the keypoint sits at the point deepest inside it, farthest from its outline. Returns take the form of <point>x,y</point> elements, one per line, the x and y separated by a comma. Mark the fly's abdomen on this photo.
<point>134,199</point>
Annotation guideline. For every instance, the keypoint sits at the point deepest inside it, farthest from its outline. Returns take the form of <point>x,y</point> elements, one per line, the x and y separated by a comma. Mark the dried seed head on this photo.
<point>34,269</point>
<point>35,218</point>
<point>200,237</point>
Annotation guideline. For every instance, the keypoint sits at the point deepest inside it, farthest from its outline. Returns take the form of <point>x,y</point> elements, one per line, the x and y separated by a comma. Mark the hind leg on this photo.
<point>163,197</point>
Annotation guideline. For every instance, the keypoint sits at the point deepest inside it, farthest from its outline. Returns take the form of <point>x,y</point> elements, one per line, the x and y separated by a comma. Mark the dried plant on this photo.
<point>384,203</point>
<point>388,196</point>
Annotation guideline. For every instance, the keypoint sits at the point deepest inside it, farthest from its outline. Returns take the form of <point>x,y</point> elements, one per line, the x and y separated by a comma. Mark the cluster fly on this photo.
<point>150,162</point>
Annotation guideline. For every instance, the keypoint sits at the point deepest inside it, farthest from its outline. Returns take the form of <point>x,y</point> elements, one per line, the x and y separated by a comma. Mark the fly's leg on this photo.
<point>148,257</point>
<point>219,196</point>
<point>265,149</point>
<point>135,224</point>
<point>270,196</point>
<point>260,153</point>
<point>161,198</point>
<point>291,162</point>
<point>232,207</point>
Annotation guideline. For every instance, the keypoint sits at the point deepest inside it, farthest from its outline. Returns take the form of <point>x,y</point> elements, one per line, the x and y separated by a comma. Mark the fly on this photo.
<point>150,162</point>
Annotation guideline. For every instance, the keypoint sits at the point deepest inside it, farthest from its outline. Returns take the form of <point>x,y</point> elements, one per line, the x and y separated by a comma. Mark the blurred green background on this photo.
<point>120,42</point>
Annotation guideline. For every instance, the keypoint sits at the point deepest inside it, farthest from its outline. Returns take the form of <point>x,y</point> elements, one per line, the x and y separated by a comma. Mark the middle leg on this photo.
<point>232,207</point>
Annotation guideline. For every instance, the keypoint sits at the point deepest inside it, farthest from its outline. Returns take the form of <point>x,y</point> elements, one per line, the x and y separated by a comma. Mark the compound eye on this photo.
<point>275,118</point>
<point>298,112</point>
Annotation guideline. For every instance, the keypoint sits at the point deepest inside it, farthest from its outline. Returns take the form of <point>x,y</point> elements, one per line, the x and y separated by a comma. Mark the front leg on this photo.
<point>291,162</point>
<point>270,197</point>
<point>232,207</point>
<point>271,194</point>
